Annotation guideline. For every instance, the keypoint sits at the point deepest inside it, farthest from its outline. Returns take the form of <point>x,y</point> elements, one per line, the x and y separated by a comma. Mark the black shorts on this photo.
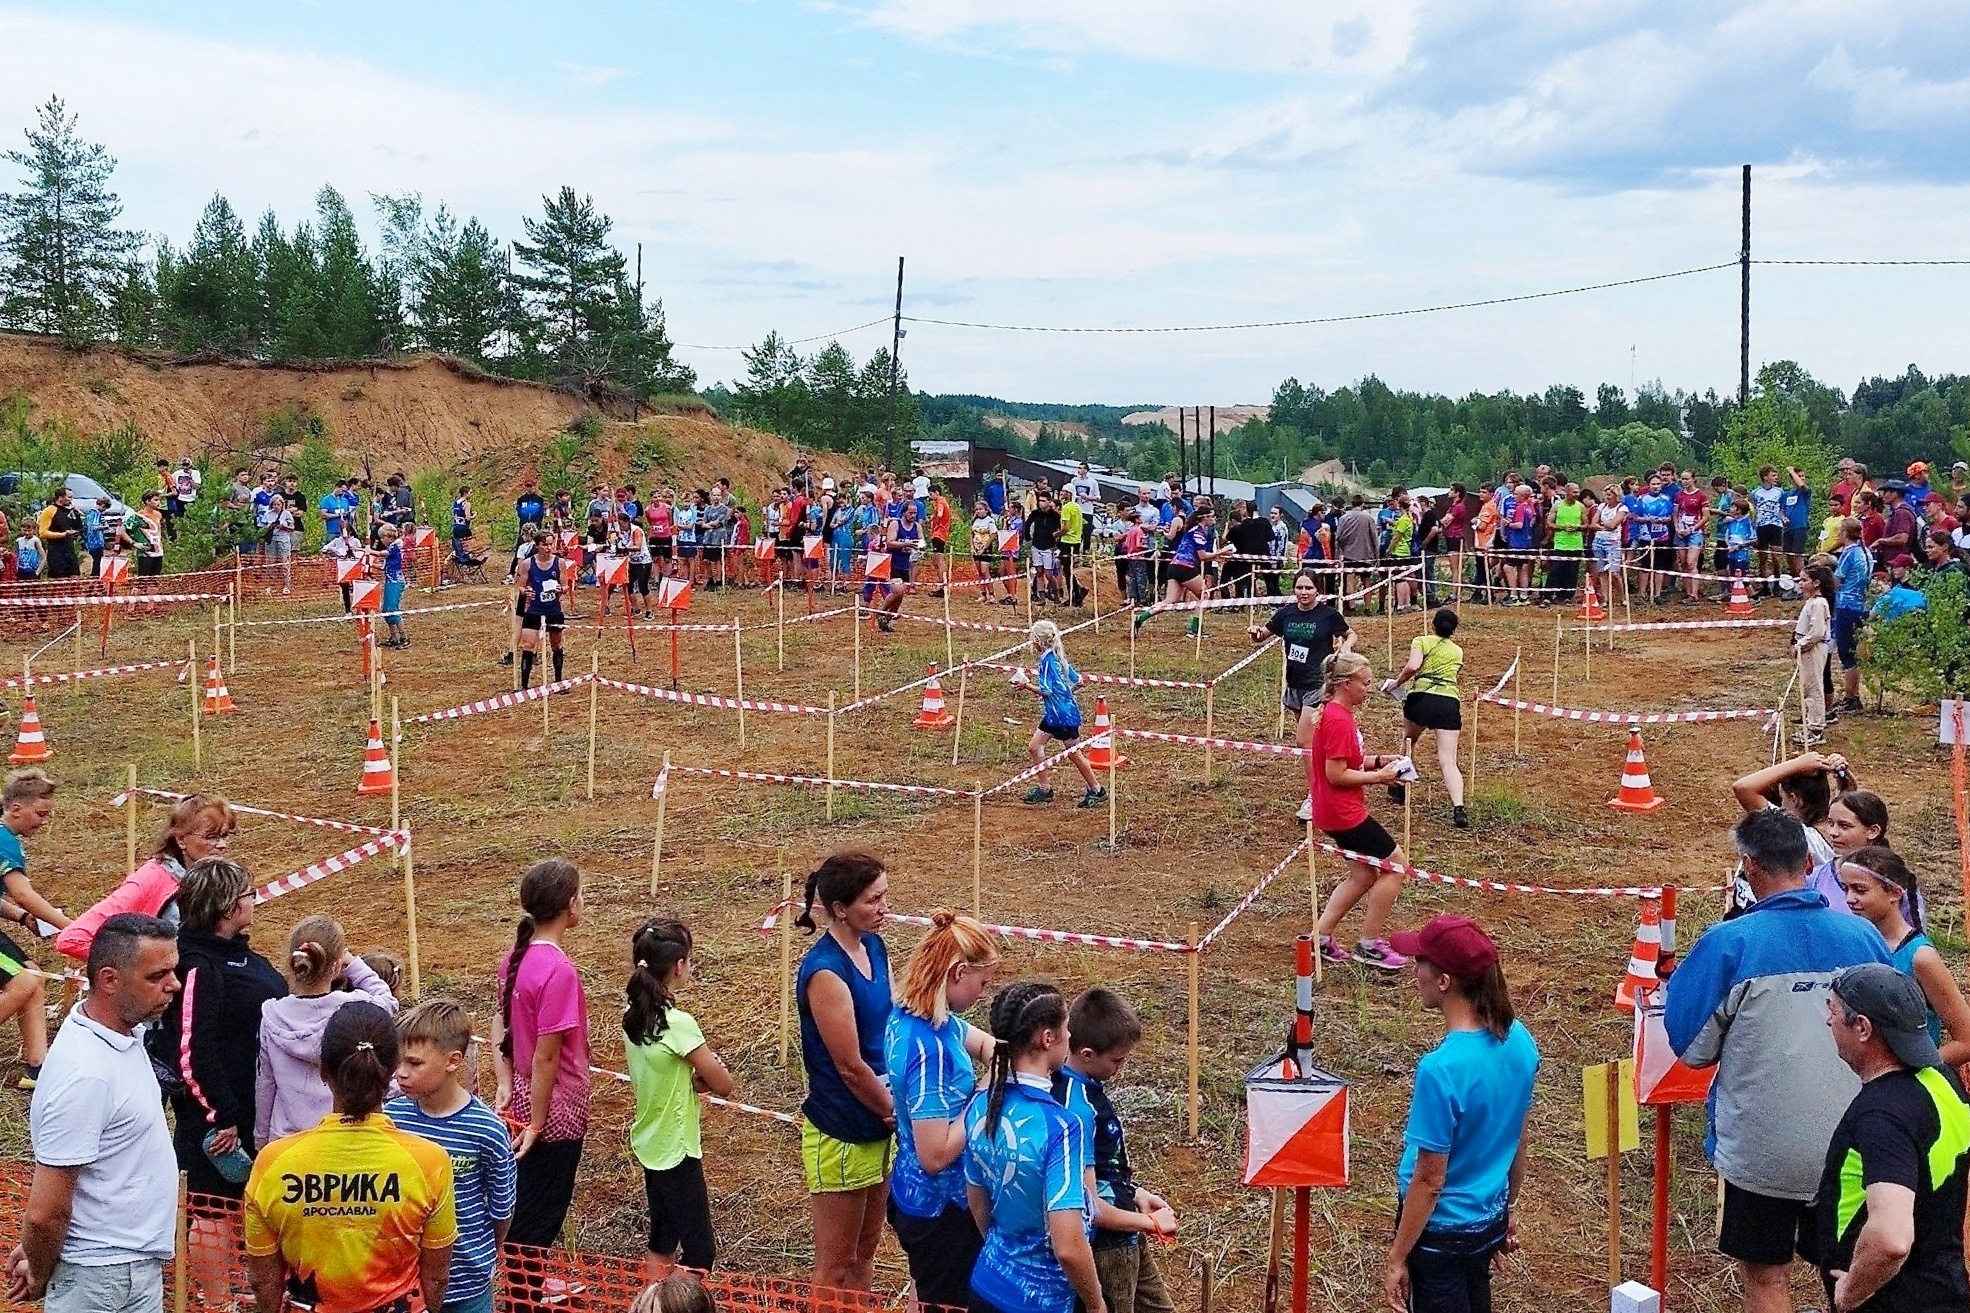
<point>12,959</point>
<point>149,567</point>
<point>680,1213</point>
<point>1761,1229</point>
<point>1065,733</point>
<point>555,622</point>
<point>661,548</point>
<point>1182,574</point>
<point>1296,700</point>
<point>1368,838</point>
<point>939,546</point>
<point>1793,542</point>
<point>1771,537</point>
<point>1433,711</point>
<point>942,1251</point>
<point>1662,556</point>
<point>785,551</point>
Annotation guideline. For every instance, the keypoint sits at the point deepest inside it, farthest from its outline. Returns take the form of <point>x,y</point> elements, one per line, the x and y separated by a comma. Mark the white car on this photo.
<point>81,488</point>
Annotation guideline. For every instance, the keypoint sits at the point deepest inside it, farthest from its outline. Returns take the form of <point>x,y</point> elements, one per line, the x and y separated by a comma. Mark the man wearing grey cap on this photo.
<point>1890,1206</point>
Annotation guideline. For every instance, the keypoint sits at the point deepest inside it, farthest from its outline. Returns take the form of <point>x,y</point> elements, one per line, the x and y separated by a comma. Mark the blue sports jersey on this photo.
<point>903,539</point>
<point>1797,506</point>
<point>544,589</point>
<point>1738,532</point>
<point>1056,680</point>
<point>1030,1166</point>
<point>931,1077</point>
<point>1655,509</point>
<point>461,523</point>
<point>1766,510</point>
<point>1472,1094</point>
<point>1198,538</point>
<point>393,564</point>
<point>1853,571</point>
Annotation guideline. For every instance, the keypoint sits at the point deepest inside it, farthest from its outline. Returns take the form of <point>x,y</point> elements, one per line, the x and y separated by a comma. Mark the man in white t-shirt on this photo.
<point>100,1219</point>
<point>1086,490</point>
<point>920,485</point>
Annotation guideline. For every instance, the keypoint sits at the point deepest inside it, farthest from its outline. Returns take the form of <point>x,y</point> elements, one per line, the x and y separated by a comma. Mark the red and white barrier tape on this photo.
<point>342,861</point>
<point>1098,741</point>
<point>1240,664</point>
<point>710,700</point>
<point>1629,717</point>
<point>501,702</point>
<point>1090,677</point>
<point>1775,623</point>
<point>75,676</point>
<point>409,610</point>
<point>1251,896</point>
<point>818,782</point>
<point>733,1104</point>
<point>960,624</point>
<point>1505,887</point>
<point>984,660</point>
<point>1230,745</point>
<point>348,826</point>
<point>125,599</point>
<point>772,921</point>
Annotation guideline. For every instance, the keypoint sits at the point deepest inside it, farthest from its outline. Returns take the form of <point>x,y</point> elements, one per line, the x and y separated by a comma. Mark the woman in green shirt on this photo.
<point>1569,545</point>
<point>1434,704</point>
<point>669,1066</point>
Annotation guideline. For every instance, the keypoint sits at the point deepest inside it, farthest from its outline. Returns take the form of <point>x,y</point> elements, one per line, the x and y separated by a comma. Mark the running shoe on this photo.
<point>1039,793</point>
<point>30,1076</point>
<point>883,623</point>
<point>506,658</point>
<point>1008,600</point>
<point>1460,818</point>
<point>1093,798</point>
<point>1142,617</point>
<point>1331,950</point>
<point>1851,704</point>
<point>1379,953</point>
<point>1190,630</point>
<point>1305,813</point>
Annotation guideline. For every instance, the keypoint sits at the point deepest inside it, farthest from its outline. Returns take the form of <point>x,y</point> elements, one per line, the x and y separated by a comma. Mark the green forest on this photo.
<point>561,303</point>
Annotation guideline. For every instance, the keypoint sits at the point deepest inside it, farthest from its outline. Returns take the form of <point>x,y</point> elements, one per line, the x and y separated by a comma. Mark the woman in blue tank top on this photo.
<point>540,606</point>
<point>842,991</point>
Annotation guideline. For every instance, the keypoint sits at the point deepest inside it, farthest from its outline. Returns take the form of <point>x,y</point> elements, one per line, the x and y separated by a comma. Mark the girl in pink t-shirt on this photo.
<point>1337,772</point>
<point>541,1051</point>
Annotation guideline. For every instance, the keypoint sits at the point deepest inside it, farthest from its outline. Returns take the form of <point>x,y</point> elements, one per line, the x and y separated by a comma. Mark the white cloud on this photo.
<point>590,77</point>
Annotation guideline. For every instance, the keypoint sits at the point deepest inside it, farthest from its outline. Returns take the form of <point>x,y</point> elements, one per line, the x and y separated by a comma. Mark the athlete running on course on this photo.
<point>1195,551</point>
<point>541,607</point>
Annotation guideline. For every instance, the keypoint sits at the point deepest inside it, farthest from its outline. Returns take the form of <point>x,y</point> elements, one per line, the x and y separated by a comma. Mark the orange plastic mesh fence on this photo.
<point>531,1280</point>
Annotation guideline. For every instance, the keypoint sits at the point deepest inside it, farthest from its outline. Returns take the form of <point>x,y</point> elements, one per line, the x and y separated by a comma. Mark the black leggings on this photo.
<point>545,1188</point>
<point>639,578</point>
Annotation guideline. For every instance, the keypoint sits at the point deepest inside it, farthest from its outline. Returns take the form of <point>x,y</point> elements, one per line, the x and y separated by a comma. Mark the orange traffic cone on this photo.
<point>1740,603</point>
<point>1591,609</point>
<point>1667,961</point>
<point>933,715</point>
<point>218,698</point>
<point>1097,756</point>
<point>378,775</point>
<point>33,745</point>
<point>1637,794</point>
<point>1640,977</point>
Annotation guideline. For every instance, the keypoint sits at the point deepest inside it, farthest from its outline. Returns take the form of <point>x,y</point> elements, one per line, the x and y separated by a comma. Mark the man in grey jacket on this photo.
<point>1750,999</point>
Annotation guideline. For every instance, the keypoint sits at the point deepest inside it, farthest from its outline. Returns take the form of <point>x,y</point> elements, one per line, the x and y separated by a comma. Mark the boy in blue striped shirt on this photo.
<point>437,1106</point>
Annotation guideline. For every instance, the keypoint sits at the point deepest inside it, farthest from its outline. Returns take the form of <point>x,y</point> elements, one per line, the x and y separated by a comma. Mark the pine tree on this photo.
<point>210,293</point>
<point>62,256</point>
<point>831,381</point>
<point>456,293</point>
<point>135,311</point>
<point>353,322</point>
<point>773,394</point>
<point>575,274</point>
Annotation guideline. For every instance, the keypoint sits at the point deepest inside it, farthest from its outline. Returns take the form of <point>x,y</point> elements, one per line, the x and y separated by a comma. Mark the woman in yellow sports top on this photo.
<point>353,1215</point>
<point>1433,704</point>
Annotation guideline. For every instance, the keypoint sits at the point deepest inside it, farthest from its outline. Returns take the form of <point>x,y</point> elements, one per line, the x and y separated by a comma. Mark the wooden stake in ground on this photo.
<point>396,774</point>
<point>739,676</point>
<point>191,665</point>
<point>1094,588</point>
<point>78,637</point>
<point>181,1268</point>
<point>1133,626</point>
<point>977,848</point>
<point>1613,1174</point>
<point>855,694</point>
<point>830,790</point>
<point>1408,811</point>
<point>594,669</point>
<point>1587,653</point>
<point>1388,609</point>
<point>1558,634</point>
<point>130,818</point>
<point>786,959</point>
<point>1197,648</point>
<point>1210,725</point>
<point>1470,780</point>
<point>232,634</point>
<point>1190,1122</point>
<point>957,725</point>
<point>657,847</point>
<point>780,627</point>
<point>1276,1244</point>
<point>1518,661</point>
<point>215,639</point>
<point>1280,733</point>
<point>1114,751</point>
<point>545,669</point>
<point>945,593</point>
<point>1313,895</point>
<point>1029,592</point>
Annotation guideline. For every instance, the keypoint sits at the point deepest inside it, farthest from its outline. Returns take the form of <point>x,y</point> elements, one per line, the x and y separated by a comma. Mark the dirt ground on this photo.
<point>487,796</point>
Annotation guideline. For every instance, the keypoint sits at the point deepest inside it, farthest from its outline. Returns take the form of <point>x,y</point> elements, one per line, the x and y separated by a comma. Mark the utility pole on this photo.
<point>1182,472</point>
<point>636,398</point>
<point>1214,451</point>
<point>1744,301</point>
<point>895,353</point>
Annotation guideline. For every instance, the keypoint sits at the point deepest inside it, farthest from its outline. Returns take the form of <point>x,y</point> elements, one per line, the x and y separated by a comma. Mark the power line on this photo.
<point>1333,319</point>
<point>1866,262</point>
<point>799,341</point>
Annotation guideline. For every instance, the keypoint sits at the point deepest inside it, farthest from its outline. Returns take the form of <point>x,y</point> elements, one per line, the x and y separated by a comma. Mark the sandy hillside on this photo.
<point>420,413</point>
<point>1228,417</point>
<point>1029,429</point>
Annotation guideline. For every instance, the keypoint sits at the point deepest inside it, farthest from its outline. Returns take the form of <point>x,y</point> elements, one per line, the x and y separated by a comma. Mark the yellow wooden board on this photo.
<point>1593,1098</point>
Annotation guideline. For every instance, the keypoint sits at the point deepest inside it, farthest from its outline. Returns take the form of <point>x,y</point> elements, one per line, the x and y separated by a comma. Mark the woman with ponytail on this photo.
<point>540,1036</point>
<point>669,1066</point>
<point>1023,1167</point>
<point>373,1218</point>
<point>929,1052</point>
<point>290,1094</point>
<point>1882,890</point>
<point>842,991</point>
<point>1338,771</point>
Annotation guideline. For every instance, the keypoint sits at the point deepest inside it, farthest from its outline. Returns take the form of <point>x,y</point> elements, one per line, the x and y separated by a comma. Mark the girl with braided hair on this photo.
<point>1023,1167</point>
<point>929,1051</point>
<point>540,1038</point>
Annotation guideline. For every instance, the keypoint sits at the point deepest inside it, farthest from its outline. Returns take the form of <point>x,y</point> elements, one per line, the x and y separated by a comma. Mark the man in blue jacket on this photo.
<point>1750,999</point>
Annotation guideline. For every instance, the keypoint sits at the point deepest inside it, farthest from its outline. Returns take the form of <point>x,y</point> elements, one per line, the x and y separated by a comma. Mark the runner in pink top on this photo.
<point>199,827</point>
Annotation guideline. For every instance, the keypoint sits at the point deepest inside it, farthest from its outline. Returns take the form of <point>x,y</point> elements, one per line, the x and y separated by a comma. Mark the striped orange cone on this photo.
<point>1740,603</point>
<point>33,744</point>
<point>1591,609</point>
<point>379,776</point>
<point>1637,794</point>
<point>1640,977</point>
<point>1666,961</point>
<point>218,698</point>
<point>934,715</point>
<point>1098,755</point>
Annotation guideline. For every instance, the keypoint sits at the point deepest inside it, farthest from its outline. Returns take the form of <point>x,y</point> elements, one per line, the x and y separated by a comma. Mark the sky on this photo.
<point>1109,164</point>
